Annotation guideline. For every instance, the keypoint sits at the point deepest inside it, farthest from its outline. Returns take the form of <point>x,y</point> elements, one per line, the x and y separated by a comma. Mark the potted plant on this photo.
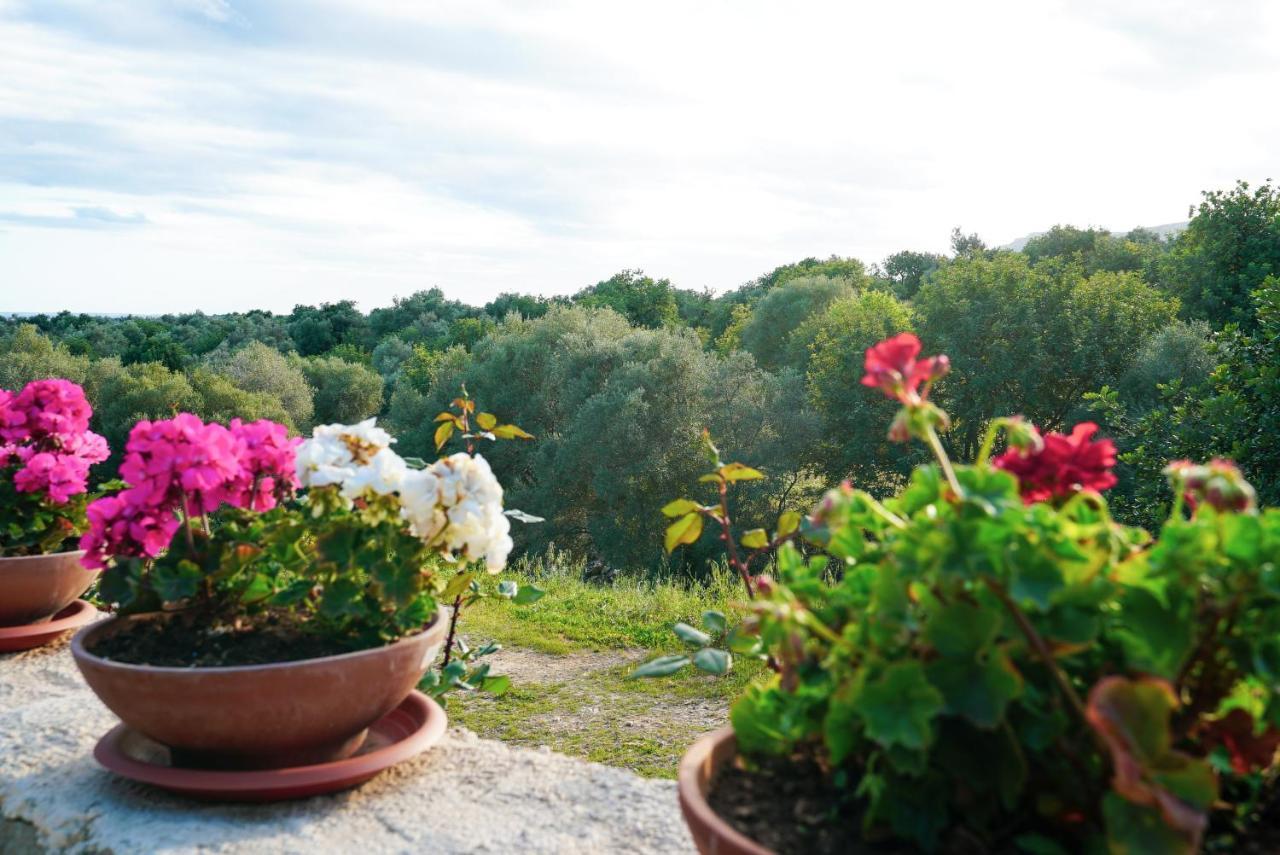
<point>988,662</point>
<point>46,449</point>
<point>276,597</point>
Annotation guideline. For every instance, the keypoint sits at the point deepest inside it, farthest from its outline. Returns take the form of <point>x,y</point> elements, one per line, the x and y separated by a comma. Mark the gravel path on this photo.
<point>465,795</point>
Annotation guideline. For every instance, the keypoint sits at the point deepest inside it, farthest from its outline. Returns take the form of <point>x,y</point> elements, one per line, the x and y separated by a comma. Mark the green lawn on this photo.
<point>576,647</point>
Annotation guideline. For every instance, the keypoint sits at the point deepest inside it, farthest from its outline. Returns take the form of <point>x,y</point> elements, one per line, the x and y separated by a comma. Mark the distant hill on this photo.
<point>1166,231</point>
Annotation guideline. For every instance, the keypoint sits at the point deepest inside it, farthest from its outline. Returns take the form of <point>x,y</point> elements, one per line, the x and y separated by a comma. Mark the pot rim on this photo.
<point>694,801</point>
<point>79,652</point>
<point>20,558</point>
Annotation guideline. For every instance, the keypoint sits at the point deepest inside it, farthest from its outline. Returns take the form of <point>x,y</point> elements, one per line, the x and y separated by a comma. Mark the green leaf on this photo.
<point>663,666</point>
<point>962,630</point>
<point>1134,829</point>
<point>685,530</point>
<point>341,599</point>
<point>528,594</point>
<point>175,582</point>
<point>713,661</point>
<point>458,584</point>
<point>1157,637</point>
<point>898,708</point>
<point>679,508</point>
<point>295,593</point>
<point>691,636</point>
<point>507,588</point>
<point>714,621</point>
<point>755,539</point>
<point>258,589</point>
<point>498,685</point>
<point>979,689</point>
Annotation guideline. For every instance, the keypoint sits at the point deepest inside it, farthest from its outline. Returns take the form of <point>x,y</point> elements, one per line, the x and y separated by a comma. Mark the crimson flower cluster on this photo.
<point>180,468</point>
<point>1062,465</point>
<point>44,431</point>
<point>892,367</point>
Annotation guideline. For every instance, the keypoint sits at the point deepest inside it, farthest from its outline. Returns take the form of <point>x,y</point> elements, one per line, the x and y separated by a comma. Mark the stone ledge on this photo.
<point>464,795</point>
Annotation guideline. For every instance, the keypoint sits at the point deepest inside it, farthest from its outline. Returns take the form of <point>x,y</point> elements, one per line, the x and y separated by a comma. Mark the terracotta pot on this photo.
<point>35,588</point>
<point>259,716</point>
<point>698,768</point>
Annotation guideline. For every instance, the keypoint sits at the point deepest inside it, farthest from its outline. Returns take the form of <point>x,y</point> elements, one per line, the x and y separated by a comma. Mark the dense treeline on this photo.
<point>1170,344</point>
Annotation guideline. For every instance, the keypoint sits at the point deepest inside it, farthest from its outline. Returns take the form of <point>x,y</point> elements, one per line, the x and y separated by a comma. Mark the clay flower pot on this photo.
<point>259,716</point>
<point>698,768</point>
<point>35,588</point>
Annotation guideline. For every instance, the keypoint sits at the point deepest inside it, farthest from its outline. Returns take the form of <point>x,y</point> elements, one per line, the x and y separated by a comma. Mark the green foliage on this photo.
<point>997,317</point>
<point>262,369</point>
<point>773,333</point>
<point>344,392</point>
<point>643,301</point>
<point>1230,247</point>
<point>31,525</point>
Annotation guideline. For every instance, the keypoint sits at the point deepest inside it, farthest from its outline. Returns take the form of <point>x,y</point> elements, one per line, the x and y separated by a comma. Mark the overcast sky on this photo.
<point>225,154</point>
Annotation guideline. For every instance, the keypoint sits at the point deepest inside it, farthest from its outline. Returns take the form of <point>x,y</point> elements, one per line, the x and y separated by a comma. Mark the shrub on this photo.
<point>987,657</point>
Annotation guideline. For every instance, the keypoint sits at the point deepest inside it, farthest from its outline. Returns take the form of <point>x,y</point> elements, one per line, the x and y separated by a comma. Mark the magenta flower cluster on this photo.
<point>182,468</point>
<point>44,431</point>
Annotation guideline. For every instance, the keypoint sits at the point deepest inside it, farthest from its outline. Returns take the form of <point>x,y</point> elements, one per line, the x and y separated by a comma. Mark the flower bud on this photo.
<point>765,586</point>
<point>1022,434</point>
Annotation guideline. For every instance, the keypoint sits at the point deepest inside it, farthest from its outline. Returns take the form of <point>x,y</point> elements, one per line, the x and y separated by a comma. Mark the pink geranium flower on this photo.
<point>124,525</point>
<point>267,471</point>
<point>60,476</point>
<point>43,409</point>
<point>182,459</point>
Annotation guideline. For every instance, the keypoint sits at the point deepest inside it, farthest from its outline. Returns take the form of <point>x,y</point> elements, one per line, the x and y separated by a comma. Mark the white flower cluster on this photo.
<point>455,504</point>
<point>357,457</point>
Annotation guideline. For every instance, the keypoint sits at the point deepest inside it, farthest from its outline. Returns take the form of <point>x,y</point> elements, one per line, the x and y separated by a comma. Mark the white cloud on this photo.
<point>268,154</point>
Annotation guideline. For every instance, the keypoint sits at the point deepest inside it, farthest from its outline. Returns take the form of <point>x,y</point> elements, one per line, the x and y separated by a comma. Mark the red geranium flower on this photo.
<point>1064,465</point>
<point>892,367</point>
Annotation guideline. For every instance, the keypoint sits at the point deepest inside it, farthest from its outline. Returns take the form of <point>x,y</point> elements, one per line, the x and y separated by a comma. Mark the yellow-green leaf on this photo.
<point>739,472</point>
<point>443,433</point>
<point>755,539</point>
<point>510,432</point>
<point>679,507</point>
<point>445,417</point>
<point>457,585</point>
<point>685,530</point>
<point>788,522</point>
<point>486,420</point>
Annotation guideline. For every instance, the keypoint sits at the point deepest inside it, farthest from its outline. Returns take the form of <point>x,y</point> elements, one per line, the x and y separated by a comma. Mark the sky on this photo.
<point>174,155</point>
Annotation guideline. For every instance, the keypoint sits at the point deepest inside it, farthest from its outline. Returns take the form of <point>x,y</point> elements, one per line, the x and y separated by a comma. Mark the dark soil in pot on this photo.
<point>186,642</point>
<point>790,807</point>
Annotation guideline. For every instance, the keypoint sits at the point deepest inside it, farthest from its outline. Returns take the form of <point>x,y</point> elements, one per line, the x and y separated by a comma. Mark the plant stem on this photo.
<point>186,525</point>
<point>1041,648</point>
<point>453,629</point>
<point>935,444</point>
<point>988,442</point>
<point>726,534</point>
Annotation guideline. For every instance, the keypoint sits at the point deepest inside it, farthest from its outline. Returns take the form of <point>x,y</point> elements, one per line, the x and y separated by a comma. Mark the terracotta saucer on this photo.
<point>415,725</point>
<point>15,638</point>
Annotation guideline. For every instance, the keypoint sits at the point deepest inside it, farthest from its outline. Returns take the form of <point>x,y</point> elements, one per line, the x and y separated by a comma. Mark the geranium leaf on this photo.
<point>898,708</point>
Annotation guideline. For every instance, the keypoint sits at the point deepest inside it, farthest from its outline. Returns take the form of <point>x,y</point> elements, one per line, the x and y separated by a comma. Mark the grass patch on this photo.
<point>599,713</point>
<point>578,615</point>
